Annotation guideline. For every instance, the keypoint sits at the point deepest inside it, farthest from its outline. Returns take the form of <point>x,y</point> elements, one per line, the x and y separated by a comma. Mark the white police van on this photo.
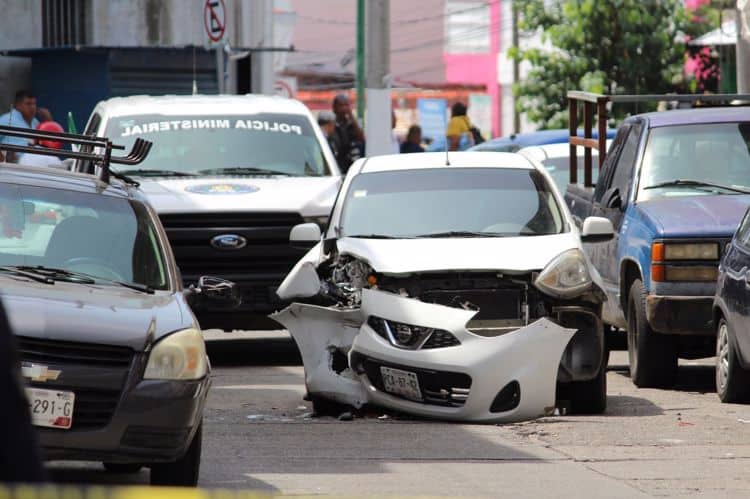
<point>229,176</point>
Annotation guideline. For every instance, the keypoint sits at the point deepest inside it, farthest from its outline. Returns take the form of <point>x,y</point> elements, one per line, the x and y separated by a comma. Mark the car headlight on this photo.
<point>180,356</point>
<point>685,255</point>
<point>685,251</point>
<point>567,276</point>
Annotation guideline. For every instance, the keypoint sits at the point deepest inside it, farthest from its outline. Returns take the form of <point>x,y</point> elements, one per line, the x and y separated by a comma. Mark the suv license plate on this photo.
<point>398,382</point>
<point>51,408</point>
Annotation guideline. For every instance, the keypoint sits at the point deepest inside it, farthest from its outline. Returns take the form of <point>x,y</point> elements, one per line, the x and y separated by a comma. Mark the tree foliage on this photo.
<point>605,46</point>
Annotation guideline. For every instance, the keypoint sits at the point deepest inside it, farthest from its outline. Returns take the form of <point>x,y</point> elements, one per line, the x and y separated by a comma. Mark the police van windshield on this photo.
<point>111,240</point>
<point>253,144</point>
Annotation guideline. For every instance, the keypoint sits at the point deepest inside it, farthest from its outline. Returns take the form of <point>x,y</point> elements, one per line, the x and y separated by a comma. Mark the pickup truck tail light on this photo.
<point>673,262</point>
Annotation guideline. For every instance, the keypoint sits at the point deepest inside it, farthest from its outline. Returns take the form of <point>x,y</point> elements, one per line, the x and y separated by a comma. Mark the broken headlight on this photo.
<point>411,337</point>
<point>566,276</point>
<point>348,277</point>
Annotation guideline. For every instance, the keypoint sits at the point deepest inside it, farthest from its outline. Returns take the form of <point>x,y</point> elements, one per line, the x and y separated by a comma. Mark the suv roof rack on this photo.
<point>599,103</point>
<point>137,153</point>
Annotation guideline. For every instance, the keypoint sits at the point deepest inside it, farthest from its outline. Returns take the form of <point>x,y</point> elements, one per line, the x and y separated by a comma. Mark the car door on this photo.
<point>735,288</point>
<point>611,200</point>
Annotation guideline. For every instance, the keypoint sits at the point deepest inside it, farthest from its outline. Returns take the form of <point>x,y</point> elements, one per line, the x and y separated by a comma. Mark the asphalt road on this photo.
<point>259,434</point>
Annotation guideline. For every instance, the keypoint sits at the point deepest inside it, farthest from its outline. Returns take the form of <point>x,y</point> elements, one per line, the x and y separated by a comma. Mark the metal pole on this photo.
<point>378,94</point>
<point>516,70</point>
<point>743,46</point>
<point>261,62</point>
<point>360,59</point>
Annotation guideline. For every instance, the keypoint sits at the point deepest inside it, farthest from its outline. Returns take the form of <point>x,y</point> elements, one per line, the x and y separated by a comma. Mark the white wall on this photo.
<point>20,24</point>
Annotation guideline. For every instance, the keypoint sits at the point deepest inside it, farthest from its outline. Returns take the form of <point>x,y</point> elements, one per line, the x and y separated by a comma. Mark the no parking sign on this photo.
<point>215,20</point>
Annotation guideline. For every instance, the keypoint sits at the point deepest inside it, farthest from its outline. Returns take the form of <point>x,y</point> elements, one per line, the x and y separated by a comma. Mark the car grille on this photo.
<point>493,304</point>
<point>95,399</point>
<point>443,388</point>
<point>257,268</point>
<point>441,339</point>
<point>65,352</point>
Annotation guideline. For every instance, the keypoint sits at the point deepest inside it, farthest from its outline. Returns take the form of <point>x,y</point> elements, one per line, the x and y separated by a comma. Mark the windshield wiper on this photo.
<point>696,183</point>
<point>242,170</point>
<point>145,172</point>
<point>31,275</point>
<point>378,236</point>
<point>461,233</point>
<point>56,274</point>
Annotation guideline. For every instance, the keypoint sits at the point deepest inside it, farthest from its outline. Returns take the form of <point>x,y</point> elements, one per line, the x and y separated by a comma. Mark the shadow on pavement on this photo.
<point>625,405</point>
<point>699,379</point>
<point>254,352</point>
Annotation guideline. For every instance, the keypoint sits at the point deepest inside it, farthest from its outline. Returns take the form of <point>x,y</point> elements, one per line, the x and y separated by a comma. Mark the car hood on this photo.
<point>91,314</point>
<point>702,216</point>
<point>405,256</point>
<point>309,196</point>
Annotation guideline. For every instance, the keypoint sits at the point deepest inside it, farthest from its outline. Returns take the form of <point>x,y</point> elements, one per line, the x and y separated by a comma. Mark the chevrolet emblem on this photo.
<point>38,372</point>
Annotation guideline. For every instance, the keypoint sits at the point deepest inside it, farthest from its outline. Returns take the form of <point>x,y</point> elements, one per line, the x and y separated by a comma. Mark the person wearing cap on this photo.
<point>22,115</point>
<point>327,122</point>
<point>31,159</point>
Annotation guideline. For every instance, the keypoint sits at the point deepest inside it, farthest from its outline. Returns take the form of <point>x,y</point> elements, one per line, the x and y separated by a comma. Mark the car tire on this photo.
<point>732,381</point>
<point>183,472</point>
<point>122,467</point>
<point>652,356</point>
<point>589,397</point>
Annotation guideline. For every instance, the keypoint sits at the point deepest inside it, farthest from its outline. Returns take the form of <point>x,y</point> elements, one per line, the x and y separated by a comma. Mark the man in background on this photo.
<point>349,135</point>
<point>459,129</point>
<point>22,115</point>
<point>327,123</point>
<point>31,159</point>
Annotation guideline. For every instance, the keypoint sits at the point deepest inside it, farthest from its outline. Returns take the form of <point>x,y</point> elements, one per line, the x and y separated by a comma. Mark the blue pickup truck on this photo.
<point>675,185</point>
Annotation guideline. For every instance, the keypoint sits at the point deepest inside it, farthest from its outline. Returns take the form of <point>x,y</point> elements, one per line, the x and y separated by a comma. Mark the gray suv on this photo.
<point>115,360</point>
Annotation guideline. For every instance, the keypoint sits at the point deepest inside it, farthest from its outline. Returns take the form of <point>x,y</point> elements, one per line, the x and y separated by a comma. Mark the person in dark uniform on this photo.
<point>20,456</point>
<point>349,135</point>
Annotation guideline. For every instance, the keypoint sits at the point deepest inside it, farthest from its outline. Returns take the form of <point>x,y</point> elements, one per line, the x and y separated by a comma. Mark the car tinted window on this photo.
<point>507,201</point>
<point>194,144</point>
<point>611,160</point>
<point>714,152</point>
<point>104,236</point>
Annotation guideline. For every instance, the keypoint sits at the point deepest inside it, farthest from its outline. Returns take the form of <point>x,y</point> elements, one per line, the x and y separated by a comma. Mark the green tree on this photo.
<point>605,46</point>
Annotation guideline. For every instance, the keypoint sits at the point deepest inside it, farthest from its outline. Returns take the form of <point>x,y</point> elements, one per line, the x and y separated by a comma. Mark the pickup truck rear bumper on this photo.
<point>683,315</point>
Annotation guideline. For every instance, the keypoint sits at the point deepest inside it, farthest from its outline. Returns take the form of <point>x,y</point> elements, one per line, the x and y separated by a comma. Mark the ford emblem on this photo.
<point>228,242</point>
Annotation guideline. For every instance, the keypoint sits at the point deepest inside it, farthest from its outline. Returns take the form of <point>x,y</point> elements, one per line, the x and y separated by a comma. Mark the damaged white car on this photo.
<point>452,288</point>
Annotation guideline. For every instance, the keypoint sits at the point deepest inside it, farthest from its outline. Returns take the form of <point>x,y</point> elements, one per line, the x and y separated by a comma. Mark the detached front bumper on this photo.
<point>154,421</point>
<point>511,377</point>
<point>681,315</point>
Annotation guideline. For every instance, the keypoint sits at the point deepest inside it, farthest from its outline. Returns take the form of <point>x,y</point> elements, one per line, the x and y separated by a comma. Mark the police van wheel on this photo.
<point>183,472</point>
<point>652,356</point>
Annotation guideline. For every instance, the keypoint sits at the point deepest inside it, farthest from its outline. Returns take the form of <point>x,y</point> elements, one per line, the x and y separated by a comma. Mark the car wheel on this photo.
<point>652,356</point>
<point>184,471</point>
<point>589,397</point>
<point>122,467</point>
<point>732,381</point>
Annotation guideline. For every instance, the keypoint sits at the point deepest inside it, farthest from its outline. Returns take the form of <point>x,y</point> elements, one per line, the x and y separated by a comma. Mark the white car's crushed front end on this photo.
<point>482,346</point>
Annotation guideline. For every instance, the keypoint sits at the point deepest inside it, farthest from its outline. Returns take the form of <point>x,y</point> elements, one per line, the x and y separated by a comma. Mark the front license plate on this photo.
<point>51,408</point>
<point>398,382</point>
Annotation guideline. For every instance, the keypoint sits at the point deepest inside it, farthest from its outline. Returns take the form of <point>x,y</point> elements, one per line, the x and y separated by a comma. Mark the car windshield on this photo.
<point>256,144</point>
<point>678,159</point>
<point>107,238</point>
<point>452,202</point>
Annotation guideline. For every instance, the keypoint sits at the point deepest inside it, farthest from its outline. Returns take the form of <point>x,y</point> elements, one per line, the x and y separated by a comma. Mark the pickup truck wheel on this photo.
<point>589,397</point>
<point>732,381</point>
<point>652,356</point>
<point>183,472</point>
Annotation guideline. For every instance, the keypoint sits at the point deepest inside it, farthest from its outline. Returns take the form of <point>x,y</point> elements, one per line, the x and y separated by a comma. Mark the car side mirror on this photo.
<point>612,199</point>
<point>597,230</point>
<point>214,292</point>
<point>305,236</point>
